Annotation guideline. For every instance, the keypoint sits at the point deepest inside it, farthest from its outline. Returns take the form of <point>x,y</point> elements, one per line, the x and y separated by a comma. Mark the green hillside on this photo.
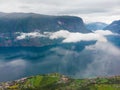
<point>60,82</point>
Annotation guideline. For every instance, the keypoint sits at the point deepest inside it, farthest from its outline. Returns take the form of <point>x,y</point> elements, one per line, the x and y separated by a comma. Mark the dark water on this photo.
<point>83,59</point>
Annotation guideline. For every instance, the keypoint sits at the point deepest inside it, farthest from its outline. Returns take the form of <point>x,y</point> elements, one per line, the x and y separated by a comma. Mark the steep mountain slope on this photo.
<point>114,26</point>
<point>96,26</point>
<point>26,22</point>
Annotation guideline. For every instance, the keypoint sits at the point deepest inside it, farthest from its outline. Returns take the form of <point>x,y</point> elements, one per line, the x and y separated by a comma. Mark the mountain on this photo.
<point>57,81</point>
<point>96,26</point>
<point>114,27</point>
<point>27,22</point>
<point>15,24</point>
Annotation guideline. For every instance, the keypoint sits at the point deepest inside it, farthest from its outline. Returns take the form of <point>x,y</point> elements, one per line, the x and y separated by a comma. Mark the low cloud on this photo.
<point>60,34</point>
<point>28,35</point>
<point>104,32</point>
<point>68,37</point>
<point>71,37</point>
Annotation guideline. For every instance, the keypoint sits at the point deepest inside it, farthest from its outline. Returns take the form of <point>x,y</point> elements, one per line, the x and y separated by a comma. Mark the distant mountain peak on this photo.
<point>114,26</point>
<point>96,25</point>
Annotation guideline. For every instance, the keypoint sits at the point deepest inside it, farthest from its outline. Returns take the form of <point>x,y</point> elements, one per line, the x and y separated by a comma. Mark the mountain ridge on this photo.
<point>96,25</point>
<point>30,21</point>
<point>114,26</point>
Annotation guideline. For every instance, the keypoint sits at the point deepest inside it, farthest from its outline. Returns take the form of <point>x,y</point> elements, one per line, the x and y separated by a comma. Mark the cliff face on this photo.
<point>114,27</point>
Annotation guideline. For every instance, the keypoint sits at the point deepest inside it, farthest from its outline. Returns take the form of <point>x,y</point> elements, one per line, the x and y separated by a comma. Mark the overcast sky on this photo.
<point>90,10</point>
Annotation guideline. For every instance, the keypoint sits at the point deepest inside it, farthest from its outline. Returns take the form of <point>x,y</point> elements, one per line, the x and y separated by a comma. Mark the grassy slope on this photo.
<point>60,82</point>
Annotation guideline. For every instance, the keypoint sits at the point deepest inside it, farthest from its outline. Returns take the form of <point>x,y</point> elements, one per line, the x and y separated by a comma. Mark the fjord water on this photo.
<point>79,60</point>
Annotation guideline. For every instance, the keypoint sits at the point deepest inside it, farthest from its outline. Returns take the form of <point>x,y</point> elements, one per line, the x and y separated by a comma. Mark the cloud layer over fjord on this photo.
<point>68,37</point>
<point>77,59</point>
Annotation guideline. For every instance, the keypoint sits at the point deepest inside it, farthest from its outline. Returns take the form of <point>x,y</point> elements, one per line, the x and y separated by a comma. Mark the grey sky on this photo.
<point>89,10</point>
